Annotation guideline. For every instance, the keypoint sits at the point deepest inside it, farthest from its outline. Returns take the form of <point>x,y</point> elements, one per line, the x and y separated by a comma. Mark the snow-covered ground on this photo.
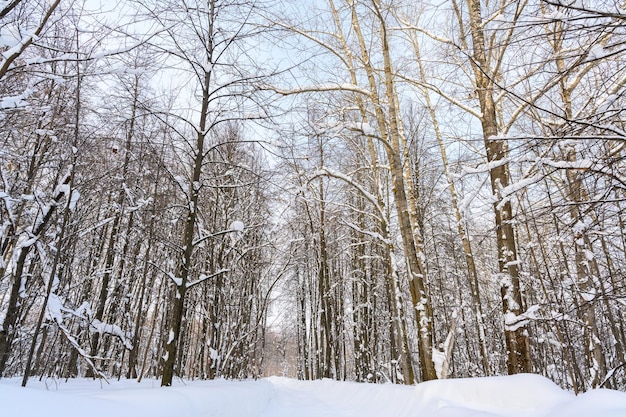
<point>510,396</point>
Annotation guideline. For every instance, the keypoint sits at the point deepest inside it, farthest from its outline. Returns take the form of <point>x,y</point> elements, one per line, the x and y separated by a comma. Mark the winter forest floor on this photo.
<point>510,396</point>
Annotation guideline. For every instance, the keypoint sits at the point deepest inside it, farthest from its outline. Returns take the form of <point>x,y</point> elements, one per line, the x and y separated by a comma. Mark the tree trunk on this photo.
<point>515,329</point>
<point>460,222</point>
<point>390,136</point>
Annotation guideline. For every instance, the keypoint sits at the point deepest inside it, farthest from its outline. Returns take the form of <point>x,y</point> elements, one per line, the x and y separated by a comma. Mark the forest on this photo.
<point>365,190</point>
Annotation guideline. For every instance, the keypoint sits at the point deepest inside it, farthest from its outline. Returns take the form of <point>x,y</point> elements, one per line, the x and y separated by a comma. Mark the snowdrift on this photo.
<point>507,396</point>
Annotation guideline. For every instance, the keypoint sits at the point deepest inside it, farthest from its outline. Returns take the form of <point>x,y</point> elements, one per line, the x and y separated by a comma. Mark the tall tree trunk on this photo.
<point>584,259</point>
<point>103,294</point>
<point>515,328</point>
<point>50,283</point>
<point>187,241</point>
<point>460,221</point>
<point>9,326</point>
<point>187,248</point>
<point>390,137</point>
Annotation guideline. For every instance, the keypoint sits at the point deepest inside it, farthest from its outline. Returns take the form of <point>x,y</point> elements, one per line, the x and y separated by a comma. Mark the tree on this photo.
<point>208,40</point>
<point>12,213</point>
<point>515,331</point>
<point>386,116</point>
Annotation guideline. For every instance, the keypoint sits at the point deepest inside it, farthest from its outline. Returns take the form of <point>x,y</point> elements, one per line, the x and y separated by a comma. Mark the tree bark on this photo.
<point>515,332</point>
<point>187,246</point>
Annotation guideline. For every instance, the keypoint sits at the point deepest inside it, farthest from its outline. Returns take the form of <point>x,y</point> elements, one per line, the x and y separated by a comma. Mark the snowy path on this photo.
<point>516,396</point>
<point>287,401</point>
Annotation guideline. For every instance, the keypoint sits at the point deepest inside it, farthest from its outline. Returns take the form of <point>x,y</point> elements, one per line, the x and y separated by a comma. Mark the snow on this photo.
<point>12,102</point>
<point>485,167</point>
<point>9,36</point>
<point>177,280</point>
<point>364,128</point>
<point>439,358</point>
<point>99,327</point>
<point>510,190</point>
<point>74,199</point>
<point>54,308</point>
<point>319,88</point>
<point>237,226</point>
<point>598,52</point>
<point>505,396</point>
<point>513,322</point>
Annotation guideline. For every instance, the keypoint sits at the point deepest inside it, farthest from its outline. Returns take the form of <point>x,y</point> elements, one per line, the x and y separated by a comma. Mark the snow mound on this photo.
<point>507,396</point>
<point>522,395</point>
<point>601,402</point>
<point>84,398</point>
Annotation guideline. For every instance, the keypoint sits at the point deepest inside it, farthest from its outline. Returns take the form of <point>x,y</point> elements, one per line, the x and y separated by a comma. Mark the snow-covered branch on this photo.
<point>204,277</point>
<point>317,88</point>
<point>329,172</point>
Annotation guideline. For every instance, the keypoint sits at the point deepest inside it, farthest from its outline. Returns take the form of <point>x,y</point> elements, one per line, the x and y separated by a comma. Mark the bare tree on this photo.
<point>205,40</point>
